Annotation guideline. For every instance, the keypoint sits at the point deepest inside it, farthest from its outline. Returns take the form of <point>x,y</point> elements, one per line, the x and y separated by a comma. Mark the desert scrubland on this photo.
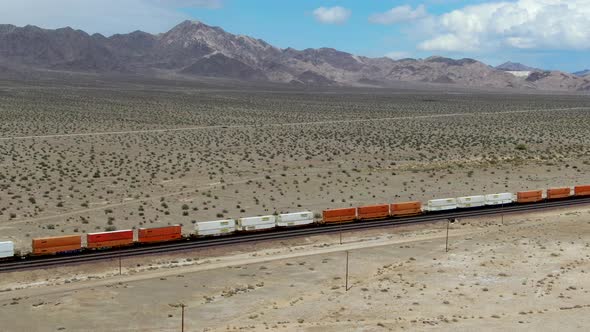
<point>85,157</point>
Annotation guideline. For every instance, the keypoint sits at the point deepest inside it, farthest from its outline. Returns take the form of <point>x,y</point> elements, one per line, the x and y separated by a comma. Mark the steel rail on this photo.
<point>187,245</point>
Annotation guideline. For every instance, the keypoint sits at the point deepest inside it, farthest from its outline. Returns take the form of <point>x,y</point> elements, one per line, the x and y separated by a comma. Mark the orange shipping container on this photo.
<point>406,208</point>
<point>161,234</point>
<point>57,241</point>
<point>373,211</point>
<point>339,215</point>
<point>555,193</point>
<point>58,244</point>
<point>582,190</point>
<point>529,196</point>
<point>110,239</point>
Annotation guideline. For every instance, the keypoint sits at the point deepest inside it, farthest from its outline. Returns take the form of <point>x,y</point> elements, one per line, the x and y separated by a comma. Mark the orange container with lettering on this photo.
<point>406,209</point>
<point>529,196</point>
<point>57,244</point>
<point>339,215</point>
<point>110,239</point>
<point>160,234</point>
<point>373,212</point>
<point>556,193</point>
<point>582,190</point>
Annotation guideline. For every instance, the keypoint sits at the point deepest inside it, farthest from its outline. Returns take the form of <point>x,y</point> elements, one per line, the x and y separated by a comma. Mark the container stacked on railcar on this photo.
<point>110,239</point>
<point>253,224</point>
<point>215,227</point>
<point>160,234</point>
<point>294,219</point>
<point>471,201</point>
<point>442,204</point>
<point>57,244</point>
<point>582,191</point>
<point>405,209</point>
<point>339,215</point>
<point>370,212</point>
<point>531,196</point>
<point>499,199</point>
<point>557,193</point>
<point>6,249</point>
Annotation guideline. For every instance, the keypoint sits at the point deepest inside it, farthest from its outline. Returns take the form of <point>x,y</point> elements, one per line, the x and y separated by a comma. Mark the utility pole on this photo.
<point>346,285</point>
<point>449,222</point>
<point>182,305</point>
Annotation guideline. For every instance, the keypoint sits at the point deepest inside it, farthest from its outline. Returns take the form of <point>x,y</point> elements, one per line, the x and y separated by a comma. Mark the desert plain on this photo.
<point>87,154</point>
<point>92,155</point>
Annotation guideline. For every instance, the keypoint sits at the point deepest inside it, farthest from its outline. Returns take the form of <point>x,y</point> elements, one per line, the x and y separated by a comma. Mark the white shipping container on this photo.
<point>442,204</point>
<point>294,223</point>
<point>214,232</point>
<point>498,199</point>
<point>471,201</point>
<point>257,227</point>
<point>253,221</point>
<point>295,219</point>
<point>216,224</point>
<point>285,217</point>
<point>6,249</point>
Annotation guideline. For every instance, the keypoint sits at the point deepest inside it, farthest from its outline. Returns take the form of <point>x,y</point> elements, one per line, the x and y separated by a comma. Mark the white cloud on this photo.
<point>399,14</point>
<point>332,15</point>
<point>103,16</point>
<point>397,55</point>
<point>522,24</point>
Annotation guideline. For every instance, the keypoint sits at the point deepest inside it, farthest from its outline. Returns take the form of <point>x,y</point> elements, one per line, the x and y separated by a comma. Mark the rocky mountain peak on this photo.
<point>193,48</point>
<point>515,66</point>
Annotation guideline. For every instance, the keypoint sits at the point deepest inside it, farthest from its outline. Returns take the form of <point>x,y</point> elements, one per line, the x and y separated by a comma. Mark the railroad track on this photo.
<point>86,257</point>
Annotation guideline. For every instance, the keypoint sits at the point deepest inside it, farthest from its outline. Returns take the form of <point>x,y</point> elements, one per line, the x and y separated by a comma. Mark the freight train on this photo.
<point>144,236</point>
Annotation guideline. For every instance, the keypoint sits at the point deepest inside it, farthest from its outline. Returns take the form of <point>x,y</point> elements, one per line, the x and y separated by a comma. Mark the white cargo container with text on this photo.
<point>256,223</point>
<point>6,249</point>
<point>442,204</point>
<point>471,201</point>
<point>499,199</point>
<point>215,227</point>
<point>294,219</point>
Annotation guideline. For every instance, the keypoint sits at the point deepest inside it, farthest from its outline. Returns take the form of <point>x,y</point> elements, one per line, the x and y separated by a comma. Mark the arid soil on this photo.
<point>529,273</point>
<point>95,156</point>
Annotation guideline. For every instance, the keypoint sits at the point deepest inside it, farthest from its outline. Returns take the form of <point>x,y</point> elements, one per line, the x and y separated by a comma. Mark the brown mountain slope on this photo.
<point>194,48</point>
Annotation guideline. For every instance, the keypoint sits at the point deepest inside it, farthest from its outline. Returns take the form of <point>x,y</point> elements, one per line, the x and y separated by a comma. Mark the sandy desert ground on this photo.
<point>94,156</point>
<point>529,273</point>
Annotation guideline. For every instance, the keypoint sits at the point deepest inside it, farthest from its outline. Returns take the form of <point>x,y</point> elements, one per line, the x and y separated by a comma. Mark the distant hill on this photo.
<point>585,72</point>
<point>194,49</point>
<point>515,66</point>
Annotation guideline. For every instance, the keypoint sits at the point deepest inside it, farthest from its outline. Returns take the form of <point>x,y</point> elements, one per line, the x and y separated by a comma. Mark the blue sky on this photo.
<point>549,34</point>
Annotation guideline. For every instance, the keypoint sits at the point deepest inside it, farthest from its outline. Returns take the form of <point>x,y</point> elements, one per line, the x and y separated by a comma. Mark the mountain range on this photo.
<point>585,72</point>
<point>194,49</point>
<point>515,66</point>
